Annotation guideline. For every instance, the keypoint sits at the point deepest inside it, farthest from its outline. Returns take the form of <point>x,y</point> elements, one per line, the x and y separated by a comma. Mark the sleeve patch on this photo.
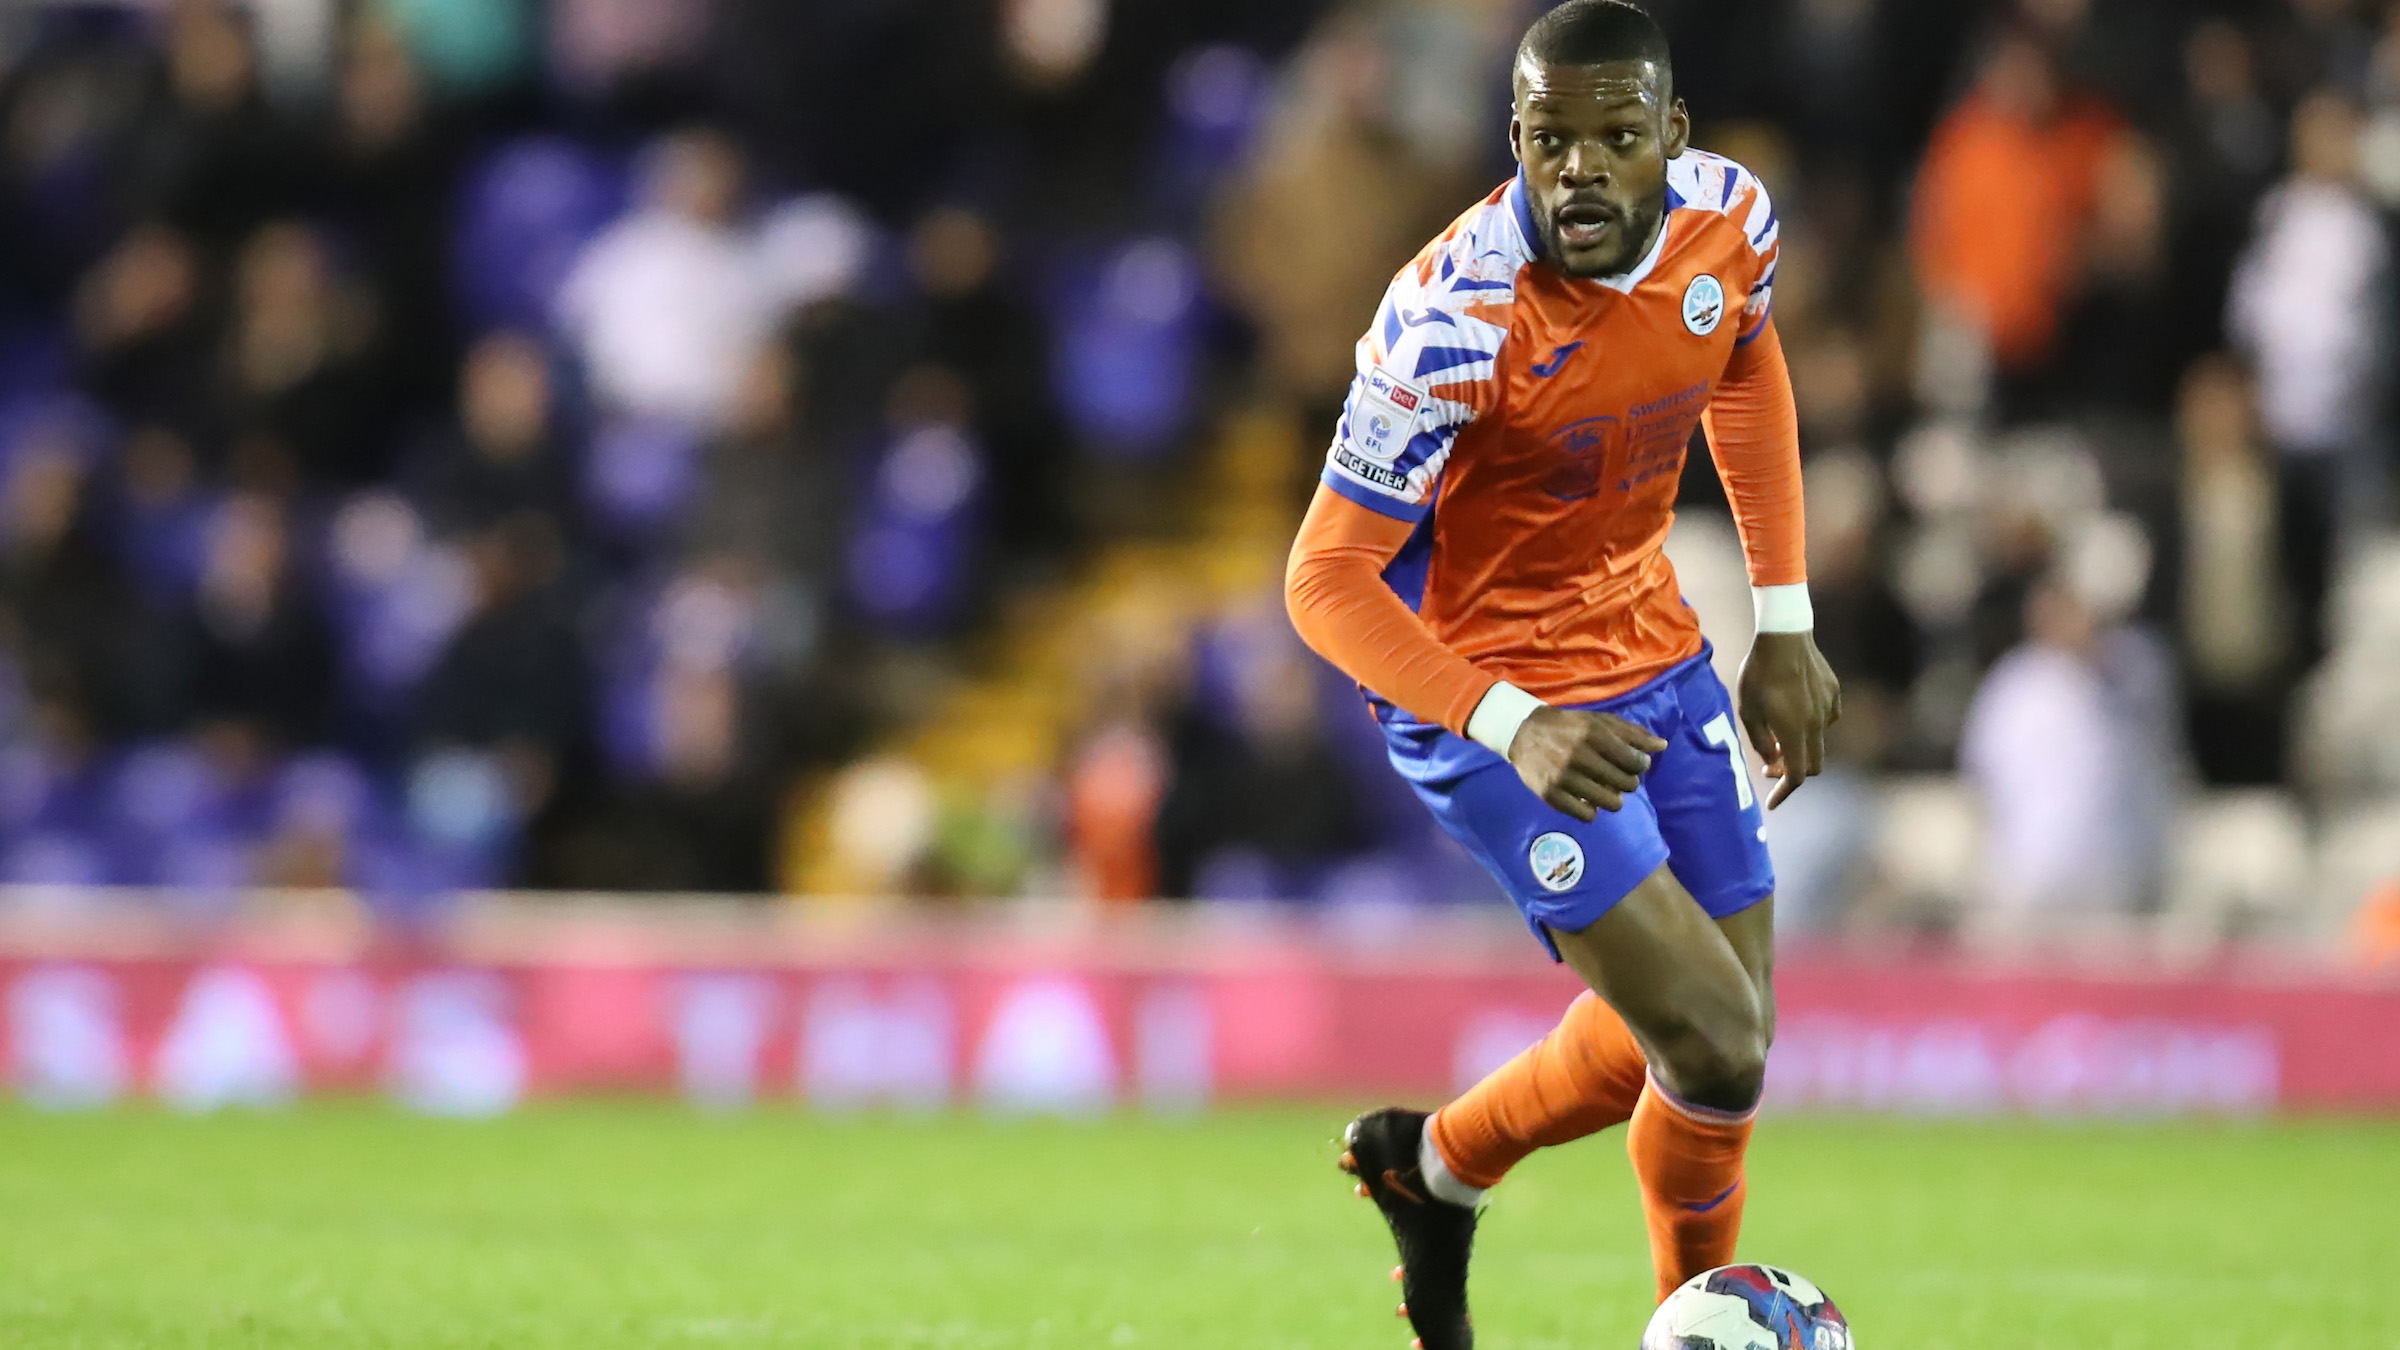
<point>1385,418</point>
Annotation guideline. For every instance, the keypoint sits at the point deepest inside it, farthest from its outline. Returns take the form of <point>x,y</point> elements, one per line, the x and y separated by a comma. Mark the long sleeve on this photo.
<point>1754,434</point>
<point>1334,590</point>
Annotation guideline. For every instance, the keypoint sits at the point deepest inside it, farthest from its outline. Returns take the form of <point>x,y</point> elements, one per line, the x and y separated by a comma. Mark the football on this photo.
<point>1747,1308</point>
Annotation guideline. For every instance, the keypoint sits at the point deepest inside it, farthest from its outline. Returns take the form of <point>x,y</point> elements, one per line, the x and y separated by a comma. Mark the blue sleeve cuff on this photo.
<point>1761,326</point>
<point>1412,512</point>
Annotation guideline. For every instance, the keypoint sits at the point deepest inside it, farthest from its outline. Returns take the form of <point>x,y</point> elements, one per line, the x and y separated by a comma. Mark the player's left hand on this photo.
<point>1789,697</point>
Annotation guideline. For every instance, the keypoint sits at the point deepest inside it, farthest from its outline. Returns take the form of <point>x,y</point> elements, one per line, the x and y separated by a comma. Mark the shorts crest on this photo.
<point>1557,861</point>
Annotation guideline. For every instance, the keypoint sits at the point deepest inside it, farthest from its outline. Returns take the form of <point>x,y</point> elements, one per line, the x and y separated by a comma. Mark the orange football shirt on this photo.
<point>1507,461</point>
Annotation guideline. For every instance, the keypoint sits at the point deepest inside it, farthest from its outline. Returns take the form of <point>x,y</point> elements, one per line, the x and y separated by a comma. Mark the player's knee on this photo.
<point>1733,1074</point>
<point>1719,1061</point>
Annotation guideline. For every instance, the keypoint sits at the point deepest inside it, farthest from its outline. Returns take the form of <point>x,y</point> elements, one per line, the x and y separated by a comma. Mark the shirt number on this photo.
<point>1719,731</point>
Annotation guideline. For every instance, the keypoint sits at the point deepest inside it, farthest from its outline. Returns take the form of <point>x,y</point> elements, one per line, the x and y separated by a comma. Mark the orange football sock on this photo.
<point>1689,1161</point>
<point>1580,1079</point>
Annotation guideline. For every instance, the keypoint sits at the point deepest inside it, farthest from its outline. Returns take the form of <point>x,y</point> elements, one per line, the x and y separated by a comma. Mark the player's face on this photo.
<point>1595,141</point>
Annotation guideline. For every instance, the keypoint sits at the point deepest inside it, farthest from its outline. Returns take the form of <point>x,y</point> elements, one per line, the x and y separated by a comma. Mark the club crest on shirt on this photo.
<point>1703,304</point>
<point>1582,452</point>
<point>1557,861</point>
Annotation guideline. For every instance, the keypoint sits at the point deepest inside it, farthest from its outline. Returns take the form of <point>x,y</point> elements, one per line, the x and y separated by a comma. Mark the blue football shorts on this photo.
<point>1696,811</point>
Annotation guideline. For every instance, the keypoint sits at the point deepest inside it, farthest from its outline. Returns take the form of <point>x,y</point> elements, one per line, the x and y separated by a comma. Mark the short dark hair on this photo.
<point>1591,32</point>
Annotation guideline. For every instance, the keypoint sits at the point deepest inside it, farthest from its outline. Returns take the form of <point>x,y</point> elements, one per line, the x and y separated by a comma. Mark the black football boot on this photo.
<point>1433,1235</point>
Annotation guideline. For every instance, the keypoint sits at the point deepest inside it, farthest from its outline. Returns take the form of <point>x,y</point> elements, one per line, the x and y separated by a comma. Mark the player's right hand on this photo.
<point>1581,763</point>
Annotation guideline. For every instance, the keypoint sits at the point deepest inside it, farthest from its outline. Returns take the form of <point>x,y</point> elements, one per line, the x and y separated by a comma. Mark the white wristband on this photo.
<point>1494,723</point>
<point>1783,609</point>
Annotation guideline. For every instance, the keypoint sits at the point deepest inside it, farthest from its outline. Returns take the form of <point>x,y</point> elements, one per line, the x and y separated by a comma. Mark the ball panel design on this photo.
<point>1748,1307</point>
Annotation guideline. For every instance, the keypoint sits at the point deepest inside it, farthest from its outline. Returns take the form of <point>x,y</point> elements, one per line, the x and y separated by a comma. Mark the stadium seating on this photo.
<point>1926,846</point>
<point>2242,862</point>
<point>2358,851</point>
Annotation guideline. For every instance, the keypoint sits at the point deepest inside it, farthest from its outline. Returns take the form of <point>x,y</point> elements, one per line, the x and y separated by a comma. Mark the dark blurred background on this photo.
<point>848,447</point>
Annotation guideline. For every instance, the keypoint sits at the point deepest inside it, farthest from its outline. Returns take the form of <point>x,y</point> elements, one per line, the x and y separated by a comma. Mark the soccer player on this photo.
<point>1484,556</point>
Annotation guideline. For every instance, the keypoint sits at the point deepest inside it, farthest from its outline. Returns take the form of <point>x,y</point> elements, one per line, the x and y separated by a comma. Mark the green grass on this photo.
<point>616,1224</point>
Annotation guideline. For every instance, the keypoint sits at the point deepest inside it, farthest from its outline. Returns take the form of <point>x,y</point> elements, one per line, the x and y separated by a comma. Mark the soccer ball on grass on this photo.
<point>1747,1308</point>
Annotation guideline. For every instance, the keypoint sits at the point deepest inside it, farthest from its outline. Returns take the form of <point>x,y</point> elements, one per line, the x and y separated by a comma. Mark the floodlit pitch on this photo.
<point>635,1224</point>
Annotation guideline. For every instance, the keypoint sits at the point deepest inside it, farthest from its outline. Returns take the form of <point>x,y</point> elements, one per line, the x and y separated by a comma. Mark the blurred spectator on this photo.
<point>975,325</point>
<point>815,248</point>
<point>1128,350</point>
<point>62,607</point>
<point>471,47</point>
<point>771,502</point>
<point>159,520</point>
<point>1084,79</point>
<point>298,392</point>
<point>696,744</point>
<point>2376,931</point>
<point>2318,43</point>
<point>142,330</point>
<point>1114,783</point>
<point>1336,198</point>
<point>2003,200</point>
<point>2232,613</point>
<point>1254,797</point>
<point>2379,145</point>
<point>603,46</point>
<point>1831,55</point>
<point>2116,351</point>
<point>1862,628</point>
<point>1113,768</point>
<point>524,215</point>
<point>512,681</point>
<point>2309,308</point>
<point>499,459</point>
<point>851,348</point>
<point>66,109</point>
<point>389,169</point>
<point>770,515</point>
<point>2224,147</point>
<point>2069,747</point>
<point>212,158</point>
<point>261,662</point>
<point>881,825</point>
<point>2041,487</point>
<point>792,77</point>
<point>322,805</point>
<point>664,306</point>
<point>703,629</point>
<point>913,554</point>
<point>1049,44</point>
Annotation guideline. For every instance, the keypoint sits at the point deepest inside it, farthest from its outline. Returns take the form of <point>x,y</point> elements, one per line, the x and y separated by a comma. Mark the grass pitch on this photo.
<point>619,1224</point>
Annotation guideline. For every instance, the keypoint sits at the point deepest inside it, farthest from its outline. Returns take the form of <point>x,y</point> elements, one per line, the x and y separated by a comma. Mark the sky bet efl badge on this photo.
<point>1387,414</point>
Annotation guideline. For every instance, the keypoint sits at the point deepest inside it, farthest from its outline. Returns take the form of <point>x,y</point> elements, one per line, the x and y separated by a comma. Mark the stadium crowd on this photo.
<point>454,443</point>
